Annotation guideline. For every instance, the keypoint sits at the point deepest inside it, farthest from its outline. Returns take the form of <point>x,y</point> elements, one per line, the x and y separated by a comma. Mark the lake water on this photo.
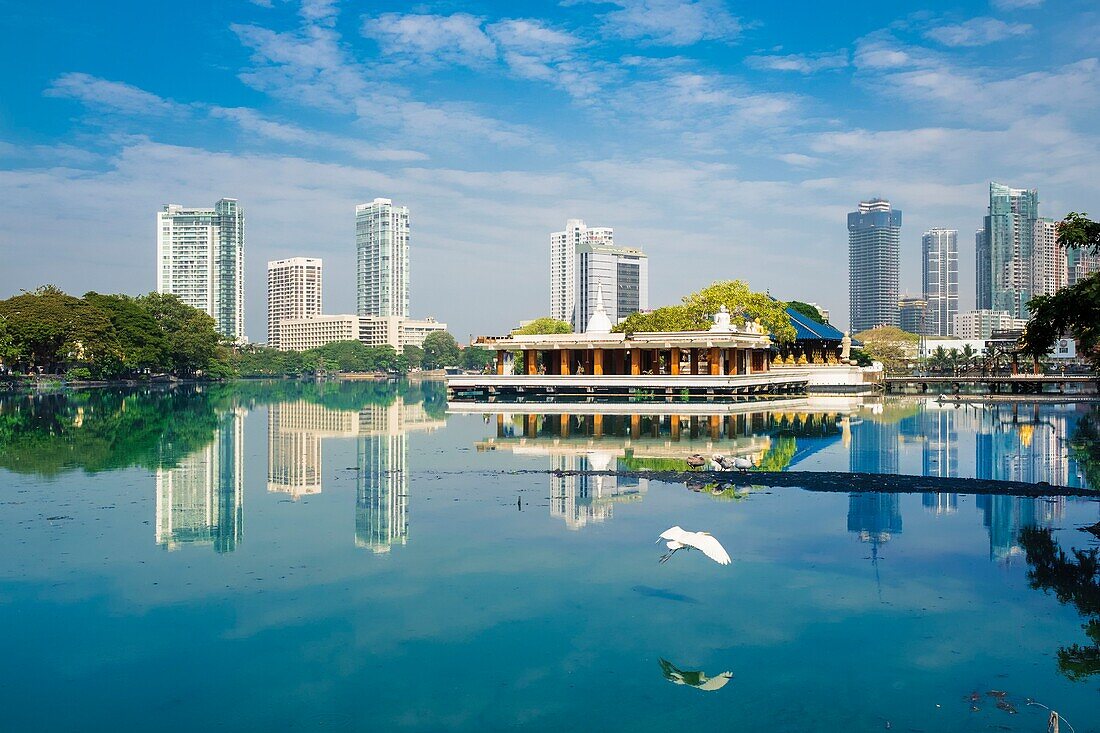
<point>269,557</point>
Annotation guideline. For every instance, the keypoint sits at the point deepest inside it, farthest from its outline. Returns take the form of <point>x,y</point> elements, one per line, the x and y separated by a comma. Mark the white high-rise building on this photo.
<point>981,323</point>
<point>620,274</point>
<point>563,265</point>
<point>1049,272</point>
<point>200,258</point>
<point>940,250</point>
<point>382,259</point>
<point>293,291</point>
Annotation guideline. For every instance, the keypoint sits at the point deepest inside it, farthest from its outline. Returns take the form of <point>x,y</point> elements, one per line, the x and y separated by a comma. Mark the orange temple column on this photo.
<point>565,354</point>
<point>597,361</point>
<point>635,361</point>
<point>531,359</point>
<point>713,361</point>
<point>500,361</point>
<point>674,362</point>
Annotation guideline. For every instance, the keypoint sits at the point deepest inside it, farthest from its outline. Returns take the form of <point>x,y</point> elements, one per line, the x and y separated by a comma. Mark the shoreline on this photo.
<point>841,482</point>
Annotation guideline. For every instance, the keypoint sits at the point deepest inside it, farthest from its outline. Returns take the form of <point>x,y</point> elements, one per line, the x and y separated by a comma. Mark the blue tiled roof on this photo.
<point>807,329</point>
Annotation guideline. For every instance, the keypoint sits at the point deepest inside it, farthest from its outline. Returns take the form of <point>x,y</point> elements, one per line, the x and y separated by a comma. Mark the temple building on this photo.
<point>726,359</point>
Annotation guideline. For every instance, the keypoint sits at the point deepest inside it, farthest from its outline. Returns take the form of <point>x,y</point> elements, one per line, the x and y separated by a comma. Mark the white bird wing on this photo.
<point>710,547</point>
<point>716,683</point>
<point>673,533</point>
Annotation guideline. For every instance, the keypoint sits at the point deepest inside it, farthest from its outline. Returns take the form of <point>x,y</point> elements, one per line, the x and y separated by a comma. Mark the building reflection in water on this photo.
<point>294,434</point>
<point>201,500</point>
<point>296,431</point>
<point>588,440</point>
<point>382,483</point>
<point>579,500</point>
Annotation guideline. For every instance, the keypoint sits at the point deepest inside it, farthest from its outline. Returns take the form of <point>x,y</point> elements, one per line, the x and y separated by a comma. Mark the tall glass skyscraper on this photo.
<point>1008,249</point>
<point>200,259</point>
<point>382,259</point>
<point>983,295</point>
<point>874,264</point>
<point>940,280</point>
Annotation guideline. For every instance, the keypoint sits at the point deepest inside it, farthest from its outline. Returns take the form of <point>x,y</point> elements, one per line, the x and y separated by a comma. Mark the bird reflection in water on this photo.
<point>699,680</point>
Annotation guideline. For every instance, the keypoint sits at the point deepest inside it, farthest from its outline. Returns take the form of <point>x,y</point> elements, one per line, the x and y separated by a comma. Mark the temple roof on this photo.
<point>807,329</point>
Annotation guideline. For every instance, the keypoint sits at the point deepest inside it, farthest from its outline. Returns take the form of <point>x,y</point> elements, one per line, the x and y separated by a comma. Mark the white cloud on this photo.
<point>1016,4</point>
<point>801,63</point>
<point>456,39</point>
<point>310,67</point>
<point>672,22</point>
<point>110,96</point>
<point>798,159</point>
<point>977,32</point>
<point>251,121</point>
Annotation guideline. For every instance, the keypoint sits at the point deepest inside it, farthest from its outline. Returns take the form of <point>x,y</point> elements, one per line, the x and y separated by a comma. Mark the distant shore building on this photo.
<point>940,280</point>
<point>1049,270</point>
<point>293,291</point>
<point>983,293</point>
<point>1008,250</point>
<point>621,273</point>
<point>981,323</point>
<point>913,315</point>
<point>874,257</point>
<point>200,259</point>
<point>382,259</point>
<point>1080,264</point>
<point>302,334</point>
<point>585,259</point>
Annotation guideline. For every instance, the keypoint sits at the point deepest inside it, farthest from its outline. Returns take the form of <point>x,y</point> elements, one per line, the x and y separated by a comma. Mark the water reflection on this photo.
<point>697,679</point>
<point>382,478</point>
<point>294,434</point>
<point>200,500</point>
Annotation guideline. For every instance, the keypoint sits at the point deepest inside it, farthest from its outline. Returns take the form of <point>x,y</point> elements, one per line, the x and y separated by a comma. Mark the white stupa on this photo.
<point>599,322</point>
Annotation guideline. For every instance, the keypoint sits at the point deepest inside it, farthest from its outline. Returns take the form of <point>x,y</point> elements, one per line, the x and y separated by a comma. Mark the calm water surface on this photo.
<point>267,557</point>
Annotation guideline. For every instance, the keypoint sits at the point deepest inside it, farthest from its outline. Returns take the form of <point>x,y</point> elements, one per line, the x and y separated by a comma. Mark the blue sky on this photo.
<point>727,139</point>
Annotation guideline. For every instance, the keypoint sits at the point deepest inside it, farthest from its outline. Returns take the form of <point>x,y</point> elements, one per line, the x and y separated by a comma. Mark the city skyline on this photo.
<point>303,110</point>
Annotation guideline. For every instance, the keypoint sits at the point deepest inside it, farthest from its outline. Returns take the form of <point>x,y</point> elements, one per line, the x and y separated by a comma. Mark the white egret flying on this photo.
<point>677,539</point>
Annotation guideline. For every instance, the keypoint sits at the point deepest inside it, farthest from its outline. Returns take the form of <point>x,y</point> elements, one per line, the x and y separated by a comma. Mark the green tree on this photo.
<point>414,355</point>
<point>1074,310</point>
<point>441,350</point>
<point>385,359</point>
<point>668,318</point>
<point>141,343</point>
<point>807,310</point>
<point>743,303</point>
<point>194,345</point>
<point>476,358</point>
<point>541,326</point>
<point>53,330</point>
<point>892,346</point>
<point>9,353</point>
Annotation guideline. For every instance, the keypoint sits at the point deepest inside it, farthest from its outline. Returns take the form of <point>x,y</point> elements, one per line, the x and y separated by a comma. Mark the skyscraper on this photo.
<point>940,280</point>
<point>200,258</point>
<point>1049,272</point>
<point>874,254</point>
<point>1008,249</point>
<point>983,294</point>
<point>621,274</point>
<point>382,259</point>
<point>293,291</point>
<point>563,267</point>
